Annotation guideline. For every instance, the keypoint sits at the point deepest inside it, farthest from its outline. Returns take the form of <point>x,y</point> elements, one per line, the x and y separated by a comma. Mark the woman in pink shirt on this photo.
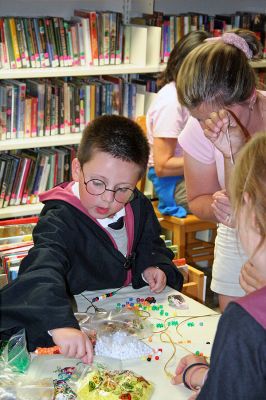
<point>166,118</point>
<point>218,85</point>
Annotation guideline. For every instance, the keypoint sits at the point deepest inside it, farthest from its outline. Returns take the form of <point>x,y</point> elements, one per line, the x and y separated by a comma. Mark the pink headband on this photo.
<point>234,40</point>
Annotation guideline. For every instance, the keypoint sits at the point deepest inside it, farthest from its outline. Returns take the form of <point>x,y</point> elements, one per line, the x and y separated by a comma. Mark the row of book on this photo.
<point>26,173</point>
<point>100,38</point>
<point>174,27</point>
<point>15,242</point>
<point>89,38</point>
<point>44,107</point>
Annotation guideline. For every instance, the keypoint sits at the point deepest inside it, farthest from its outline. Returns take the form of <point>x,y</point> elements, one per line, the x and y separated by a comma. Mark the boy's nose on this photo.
<point>108,196</point>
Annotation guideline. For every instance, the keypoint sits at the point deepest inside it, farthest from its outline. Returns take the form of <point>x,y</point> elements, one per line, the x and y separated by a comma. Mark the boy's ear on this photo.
<point>76,170</point>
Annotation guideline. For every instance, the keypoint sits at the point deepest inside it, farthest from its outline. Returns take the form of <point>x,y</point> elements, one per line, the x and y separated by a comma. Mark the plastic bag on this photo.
<point>115,321</point>
<point>15,354</point>
<point>96,383</point>
<point>17,386</point>
<point>117,334</point>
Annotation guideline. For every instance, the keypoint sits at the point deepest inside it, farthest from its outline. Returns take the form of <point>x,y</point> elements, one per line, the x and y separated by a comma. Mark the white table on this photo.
<point>201,335</point>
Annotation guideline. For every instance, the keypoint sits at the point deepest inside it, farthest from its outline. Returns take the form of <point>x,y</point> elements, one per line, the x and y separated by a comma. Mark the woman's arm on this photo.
<point>165,161</point>
<point>201,183</point>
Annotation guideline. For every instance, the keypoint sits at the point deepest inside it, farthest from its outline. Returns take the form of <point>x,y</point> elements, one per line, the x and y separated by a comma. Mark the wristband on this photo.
<point>199,365</point>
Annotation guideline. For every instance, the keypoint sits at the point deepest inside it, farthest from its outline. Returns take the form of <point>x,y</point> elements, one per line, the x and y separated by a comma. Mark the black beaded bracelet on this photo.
<point>187,369</point>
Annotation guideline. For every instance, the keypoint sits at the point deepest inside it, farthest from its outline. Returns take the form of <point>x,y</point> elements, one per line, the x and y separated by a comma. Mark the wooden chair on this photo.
<point>184,230</point>
<point>195,286</point>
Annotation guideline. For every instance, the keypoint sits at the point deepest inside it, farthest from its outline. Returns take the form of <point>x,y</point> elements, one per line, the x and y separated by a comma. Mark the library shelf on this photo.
<point>24,73</point>
<point>43,141</point>
<point>20,211</point>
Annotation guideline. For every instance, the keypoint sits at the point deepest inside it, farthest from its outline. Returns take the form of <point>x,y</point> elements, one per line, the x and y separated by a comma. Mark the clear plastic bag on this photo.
<point>98,382</point>
<point>17,386</point>
<point>15,354</point>
<point>14,380</point>
<point>115,320</point>
<point>117,334</point>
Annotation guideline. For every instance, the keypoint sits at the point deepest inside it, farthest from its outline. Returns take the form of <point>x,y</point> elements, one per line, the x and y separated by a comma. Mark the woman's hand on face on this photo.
<point>222,208</point>
<point>224,132</point>
<point>252,278</point>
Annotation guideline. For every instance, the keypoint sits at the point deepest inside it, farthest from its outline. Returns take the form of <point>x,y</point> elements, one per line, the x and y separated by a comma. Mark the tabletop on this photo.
<point>176,332</point>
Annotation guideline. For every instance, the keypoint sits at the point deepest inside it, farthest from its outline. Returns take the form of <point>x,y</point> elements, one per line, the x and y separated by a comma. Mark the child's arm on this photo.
<point>73,343</point>
<point>150,249</point>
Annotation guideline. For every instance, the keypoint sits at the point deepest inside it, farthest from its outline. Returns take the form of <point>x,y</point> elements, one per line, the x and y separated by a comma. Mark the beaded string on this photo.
<point>105,295</point>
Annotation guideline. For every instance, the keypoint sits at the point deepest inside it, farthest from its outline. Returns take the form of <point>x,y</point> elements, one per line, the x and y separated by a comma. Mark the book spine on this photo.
<point>21,42</point>
<point>74,39</point>
<point>43,42</point>
<point>81,44</point>
<point>58,43</point>
<point>63,41</point>
<point>21,109</point>
<point>11,54</point>
<point>41,107</point>
<point>34,116</point>
<point>25,45</point>
<point>14,40</point>
<point>27,121</point>
<point>47,109</point>
<point>3,113</point>
<point>51,38</point>
<point>34,43</point>
<point>106,35</point>
<point>82,107</point>
<point>118,39</point>
<point>14,112</point>
<point>10,180</point>
<point>4,49</point>
<point>112,37</point>
<point>127,40</point>
<point>39,43</point>
<point>66,107</point>
<point>100,37</point>
<point>16,182</point>
<point>94,38</point>
<point>26,23</point>
<point>61,121</point>
<point>69,45</point>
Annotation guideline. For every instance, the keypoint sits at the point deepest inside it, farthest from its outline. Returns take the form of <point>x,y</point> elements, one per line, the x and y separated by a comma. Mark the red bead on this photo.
<point>157,357</point>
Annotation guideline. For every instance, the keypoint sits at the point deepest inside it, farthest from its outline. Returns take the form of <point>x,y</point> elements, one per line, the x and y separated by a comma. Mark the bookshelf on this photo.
<point>65,9</point>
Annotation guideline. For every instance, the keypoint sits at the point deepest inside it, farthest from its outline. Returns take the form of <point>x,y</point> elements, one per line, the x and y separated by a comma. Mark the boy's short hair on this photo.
<point>116,135</point>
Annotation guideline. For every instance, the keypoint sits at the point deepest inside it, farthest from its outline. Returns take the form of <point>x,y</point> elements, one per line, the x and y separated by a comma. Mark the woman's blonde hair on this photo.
<point>218,73</point>
<point>249,176</point>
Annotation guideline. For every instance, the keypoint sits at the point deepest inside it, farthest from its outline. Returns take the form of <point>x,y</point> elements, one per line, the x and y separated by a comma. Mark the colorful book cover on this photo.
<point>14,39</point>
<point>21,43</point>
<point>9,44</point>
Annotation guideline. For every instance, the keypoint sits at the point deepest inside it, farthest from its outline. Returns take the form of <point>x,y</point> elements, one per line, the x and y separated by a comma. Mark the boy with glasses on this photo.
<point>81,243</point>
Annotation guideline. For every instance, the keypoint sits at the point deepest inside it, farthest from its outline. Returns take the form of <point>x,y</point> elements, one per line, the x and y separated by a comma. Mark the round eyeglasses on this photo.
<point>96,187</point>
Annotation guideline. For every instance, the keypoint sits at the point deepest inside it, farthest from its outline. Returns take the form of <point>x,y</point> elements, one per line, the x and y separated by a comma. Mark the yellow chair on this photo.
<point>195,286</point>
<point>184,230</point>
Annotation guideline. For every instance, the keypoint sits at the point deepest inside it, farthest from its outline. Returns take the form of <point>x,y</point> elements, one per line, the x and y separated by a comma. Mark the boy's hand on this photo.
<point>73,343</point>
<point>156,279</point>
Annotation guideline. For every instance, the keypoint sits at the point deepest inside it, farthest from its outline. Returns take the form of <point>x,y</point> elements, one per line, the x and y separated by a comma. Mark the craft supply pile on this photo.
<point>123,334</point>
